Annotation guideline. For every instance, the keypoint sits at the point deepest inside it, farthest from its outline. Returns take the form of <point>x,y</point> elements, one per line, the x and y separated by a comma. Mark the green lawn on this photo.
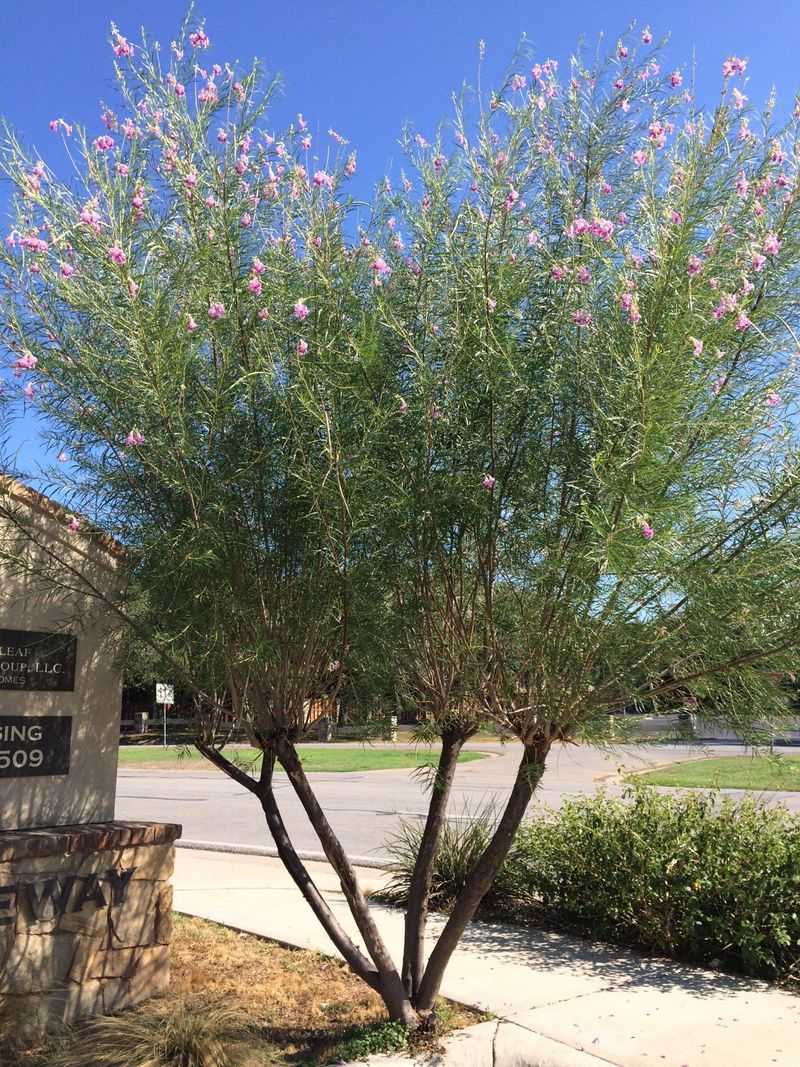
<point>732,772</point>
<point>322,758</point>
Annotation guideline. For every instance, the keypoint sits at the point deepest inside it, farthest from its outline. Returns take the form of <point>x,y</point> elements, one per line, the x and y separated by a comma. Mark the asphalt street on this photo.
<point>366,807</point>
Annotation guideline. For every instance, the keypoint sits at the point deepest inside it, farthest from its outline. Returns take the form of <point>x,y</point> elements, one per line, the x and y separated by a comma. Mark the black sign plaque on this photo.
<point>34,661</point>
<point>33,745</point>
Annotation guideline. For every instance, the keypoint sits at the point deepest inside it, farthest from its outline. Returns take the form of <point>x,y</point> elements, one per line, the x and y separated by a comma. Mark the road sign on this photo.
<point>165,693</point>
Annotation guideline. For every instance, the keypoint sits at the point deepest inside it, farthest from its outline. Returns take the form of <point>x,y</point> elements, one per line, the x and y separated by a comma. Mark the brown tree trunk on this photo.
<point>420,887</point>
<point>529,774</point>
<point>351,953</point>
<point>391,987</point>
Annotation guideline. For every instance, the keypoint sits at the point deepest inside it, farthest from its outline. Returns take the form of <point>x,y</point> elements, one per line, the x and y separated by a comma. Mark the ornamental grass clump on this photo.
<point>525,433</point>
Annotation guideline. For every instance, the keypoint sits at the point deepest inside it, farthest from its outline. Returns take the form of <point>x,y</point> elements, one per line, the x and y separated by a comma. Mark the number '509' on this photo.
<point>20,758</point>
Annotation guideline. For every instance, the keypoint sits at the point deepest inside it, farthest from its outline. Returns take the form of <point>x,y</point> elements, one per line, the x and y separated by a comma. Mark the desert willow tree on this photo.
<point>553,435</point>
<point>587,488</point>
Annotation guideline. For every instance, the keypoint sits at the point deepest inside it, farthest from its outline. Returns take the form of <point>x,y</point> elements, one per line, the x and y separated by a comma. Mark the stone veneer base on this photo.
<point>85,921</point>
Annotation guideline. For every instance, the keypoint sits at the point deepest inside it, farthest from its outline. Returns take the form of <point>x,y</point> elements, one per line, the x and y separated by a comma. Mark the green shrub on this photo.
<point>696,877</point>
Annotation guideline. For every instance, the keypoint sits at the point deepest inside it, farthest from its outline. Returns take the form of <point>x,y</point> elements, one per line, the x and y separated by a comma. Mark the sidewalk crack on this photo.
<point>494,1042</point>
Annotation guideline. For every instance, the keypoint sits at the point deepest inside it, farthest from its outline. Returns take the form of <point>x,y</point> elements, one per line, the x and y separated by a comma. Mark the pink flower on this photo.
<point>222,136</point>
<point>116,255</point>
<point>121,46</point>
<point>67,270</point>
<point>733,65</point>
<point>263,314</point>
<point>134,439</point>
<point>726,305</point>
<point>742,322</point>
<point>757,262</point>
<point>491,303</point>
<point>302,347</point>
<point>122,170</point>
<point>716,386</point>
<point>380,267</point>
<point>28,392</point>
<point>216,310</point>
<point>133,288</point>
<point>602,228</point>
<point>62,457</point>
<point>323,180</point>
<point>246,220</point>
<point>584,275</point>
<point>73,525</point>
<point>676,218</point>
<point>198,39</point>
<point>190,181</point>
<point>657,133</point>
<point>254,285</point>
<point>191,325</point>
<point>258,266</point>
<point>27,361</point>
<point>647,36</point>
<point>639,157</point>
<point>300,311</point>
<point>180,90</point>
<point>772,245</point>
<point>488,483</point>
<point>557,272</point>
<point>676,79</point>
<point>511,199</point>
<point>647,531</point>
<point>742,185</point>
<point>402,407</point>
<point>350,165</point>
<point>517,82</point>
<point>739,99</point>
<point>773,399</point>
<point>694,266</point>
<point>582,318</point>
<point>210,201</point>
<point>697,346</point>
<point>103,143</point>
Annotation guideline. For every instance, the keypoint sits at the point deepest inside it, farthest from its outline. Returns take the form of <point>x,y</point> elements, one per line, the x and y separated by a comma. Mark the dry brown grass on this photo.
<point>302,1001</point>
<point>291,996</point>
<point>295,1006</point>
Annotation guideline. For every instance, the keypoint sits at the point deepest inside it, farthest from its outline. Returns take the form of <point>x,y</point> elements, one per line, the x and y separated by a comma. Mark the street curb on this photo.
<point>500,1043</point>
<point>271,852</point>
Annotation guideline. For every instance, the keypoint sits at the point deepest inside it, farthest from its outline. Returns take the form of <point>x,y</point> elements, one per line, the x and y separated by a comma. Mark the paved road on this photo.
<point>366,808</point>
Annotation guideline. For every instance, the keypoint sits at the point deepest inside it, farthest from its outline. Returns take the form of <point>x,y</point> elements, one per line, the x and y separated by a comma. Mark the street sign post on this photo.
<point>165,694</point>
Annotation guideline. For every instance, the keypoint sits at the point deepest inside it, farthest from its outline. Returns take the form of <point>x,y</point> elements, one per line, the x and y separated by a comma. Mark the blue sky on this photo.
<point>362,67</point>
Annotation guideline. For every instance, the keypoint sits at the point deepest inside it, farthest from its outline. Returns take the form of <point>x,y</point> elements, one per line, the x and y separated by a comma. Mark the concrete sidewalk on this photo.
<point>562,1002</point>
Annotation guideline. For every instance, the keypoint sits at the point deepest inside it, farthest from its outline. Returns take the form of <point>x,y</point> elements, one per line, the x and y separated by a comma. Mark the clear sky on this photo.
<point>362,66</point>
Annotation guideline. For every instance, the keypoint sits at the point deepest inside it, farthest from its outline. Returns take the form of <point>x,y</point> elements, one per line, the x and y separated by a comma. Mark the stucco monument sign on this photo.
<point>85,902</point>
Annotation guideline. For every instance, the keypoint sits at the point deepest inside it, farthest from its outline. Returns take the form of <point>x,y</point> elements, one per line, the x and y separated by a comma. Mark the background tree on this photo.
<point>542,409</point>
